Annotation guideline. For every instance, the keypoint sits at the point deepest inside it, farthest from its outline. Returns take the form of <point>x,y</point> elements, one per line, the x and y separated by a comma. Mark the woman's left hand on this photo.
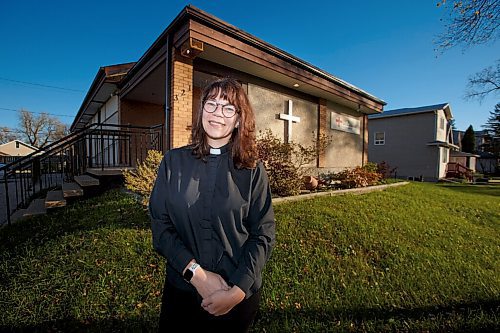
<point>222,301</point>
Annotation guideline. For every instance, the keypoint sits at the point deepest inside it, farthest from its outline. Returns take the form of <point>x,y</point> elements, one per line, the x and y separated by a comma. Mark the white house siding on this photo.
<point>107,114</point>
<point>444,155</point>
<point>441,134</point>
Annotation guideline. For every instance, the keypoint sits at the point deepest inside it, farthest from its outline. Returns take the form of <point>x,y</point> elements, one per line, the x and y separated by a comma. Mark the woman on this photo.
<point>212,218</point>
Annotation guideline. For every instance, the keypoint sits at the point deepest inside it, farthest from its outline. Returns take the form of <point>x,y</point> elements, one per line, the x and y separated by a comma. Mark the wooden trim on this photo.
<point>250,53</point>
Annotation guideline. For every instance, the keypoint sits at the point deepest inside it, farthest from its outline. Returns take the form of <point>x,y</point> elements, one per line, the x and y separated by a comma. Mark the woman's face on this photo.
<point>218,123</point>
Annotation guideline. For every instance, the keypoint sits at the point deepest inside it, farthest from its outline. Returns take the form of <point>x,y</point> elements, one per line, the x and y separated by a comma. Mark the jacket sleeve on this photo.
<point>261,238</point>
<point>166,240</point>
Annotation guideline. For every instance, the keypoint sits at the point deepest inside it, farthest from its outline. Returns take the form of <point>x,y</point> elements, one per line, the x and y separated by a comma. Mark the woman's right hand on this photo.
<point>206,282</point>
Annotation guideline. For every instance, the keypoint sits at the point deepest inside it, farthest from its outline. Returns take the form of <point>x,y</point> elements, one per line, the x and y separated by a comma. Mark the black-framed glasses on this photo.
<point>228,110</point>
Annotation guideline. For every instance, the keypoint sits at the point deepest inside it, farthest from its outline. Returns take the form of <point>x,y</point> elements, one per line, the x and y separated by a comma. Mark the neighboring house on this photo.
<point>416,141</point>
<point>466,159</point>
<point>14,149</point>
<point>479,136</point>
<point>485,162</point>
<point>292,98</point>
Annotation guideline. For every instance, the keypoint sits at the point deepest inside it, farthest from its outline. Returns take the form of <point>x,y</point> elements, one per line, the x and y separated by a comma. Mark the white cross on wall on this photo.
<point>290,118</point>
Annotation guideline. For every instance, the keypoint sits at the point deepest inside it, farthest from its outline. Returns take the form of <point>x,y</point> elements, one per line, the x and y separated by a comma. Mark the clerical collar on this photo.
<point>221,150</point>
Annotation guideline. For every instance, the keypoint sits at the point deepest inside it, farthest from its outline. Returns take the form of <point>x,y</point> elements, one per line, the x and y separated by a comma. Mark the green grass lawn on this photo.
<point>416,258</point>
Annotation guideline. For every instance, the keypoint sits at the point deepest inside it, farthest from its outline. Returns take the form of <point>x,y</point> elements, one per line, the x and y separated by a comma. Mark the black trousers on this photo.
<point>181,311</point>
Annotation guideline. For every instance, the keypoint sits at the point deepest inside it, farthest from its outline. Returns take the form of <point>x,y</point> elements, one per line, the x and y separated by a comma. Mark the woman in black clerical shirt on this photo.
<point>212,218</point>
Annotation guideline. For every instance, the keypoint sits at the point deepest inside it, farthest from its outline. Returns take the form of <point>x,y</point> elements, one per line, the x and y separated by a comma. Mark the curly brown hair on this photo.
<point>243,147</point>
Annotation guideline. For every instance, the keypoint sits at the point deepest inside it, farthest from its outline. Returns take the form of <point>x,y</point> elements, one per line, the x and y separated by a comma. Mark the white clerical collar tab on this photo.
<point>215,151</point>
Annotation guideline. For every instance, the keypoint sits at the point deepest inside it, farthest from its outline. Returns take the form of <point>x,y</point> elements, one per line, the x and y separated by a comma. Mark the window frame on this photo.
<point>378,142</point>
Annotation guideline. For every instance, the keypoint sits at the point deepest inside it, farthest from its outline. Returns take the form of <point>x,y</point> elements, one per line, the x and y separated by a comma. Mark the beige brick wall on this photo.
<point>181,113</point>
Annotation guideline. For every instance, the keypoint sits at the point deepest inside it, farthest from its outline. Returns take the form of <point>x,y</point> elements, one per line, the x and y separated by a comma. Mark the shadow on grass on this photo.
<point>454,318</point>
<point>74,325</point>
<point>493,190</point>
<point>111,210</point>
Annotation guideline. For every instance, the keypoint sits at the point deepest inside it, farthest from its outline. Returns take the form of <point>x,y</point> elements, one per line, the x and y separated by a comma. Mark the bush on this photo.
<point>141,181</point>
<point>286,163</point>
<point>385,170</point>
<point>352,178</point>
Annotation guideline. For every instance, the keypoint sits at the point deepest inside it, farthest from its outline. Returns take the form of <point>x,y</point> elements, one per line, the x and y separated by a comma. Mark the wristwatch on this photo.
<point>189,273</point>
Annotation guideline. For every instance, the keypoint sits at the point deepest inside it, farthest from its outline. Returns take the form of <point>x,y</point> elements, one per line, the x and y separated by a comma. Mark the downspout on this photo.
<point>168,89</point>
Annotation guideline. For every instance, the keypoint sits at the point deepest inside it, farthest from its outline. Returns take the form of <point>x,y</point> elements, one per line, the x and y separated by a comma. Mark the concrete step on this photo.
<point>115,171</point>
<point>86,181</point>
<point>55,199</point>
<point>36,207</point>
<point>71,190</point>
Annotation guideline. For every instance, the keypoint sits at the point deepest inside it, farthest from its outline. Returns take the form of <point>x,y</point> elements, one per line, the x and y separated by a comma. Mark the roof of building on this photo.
<point>462,154</point>
<point>409,111</point>
<point>101,86</point>
<point>104,84</point>
<point>23,143</point>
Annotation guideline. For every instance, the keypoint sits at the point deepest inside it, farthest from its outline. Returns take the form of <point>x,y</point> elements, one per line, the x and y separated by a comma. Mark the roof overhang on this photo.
<point>443,144</point>
<point>104,85</point>
<point>463,154</point>
<point>224,44</point>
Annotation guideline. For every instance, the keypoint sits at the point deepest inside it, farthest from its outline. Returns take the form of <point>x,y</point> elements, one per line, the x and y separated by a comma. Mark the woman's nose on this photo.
<point>219,113</point>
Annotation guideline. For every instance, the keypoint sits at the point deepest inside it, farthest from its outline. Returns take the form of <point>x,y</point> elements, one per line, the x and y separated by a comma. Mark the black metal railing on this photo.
<point>95,146</point>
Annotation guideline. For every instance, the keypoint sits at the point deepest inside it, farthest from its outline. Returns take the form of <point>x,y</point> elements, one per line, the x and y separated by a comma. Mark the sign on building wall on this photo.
<point>345,123</point>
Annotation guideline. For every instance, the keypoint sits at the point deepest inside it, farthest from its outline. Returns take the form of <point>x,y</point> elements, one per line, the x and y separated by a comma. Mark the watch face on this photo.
<point>188,275</point>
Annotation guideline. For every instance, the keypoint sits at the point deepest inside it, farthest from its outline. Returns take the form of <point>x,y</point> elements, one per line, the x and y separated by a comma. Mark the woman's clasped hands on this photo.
<point>218,297</point>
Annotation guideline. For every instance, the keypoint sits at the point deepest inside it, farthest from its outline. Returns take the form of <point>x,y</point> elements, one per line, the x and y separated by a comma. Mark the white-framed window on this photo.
<point>379,138</point>
<point>444,153</point>
<point>441,123</point>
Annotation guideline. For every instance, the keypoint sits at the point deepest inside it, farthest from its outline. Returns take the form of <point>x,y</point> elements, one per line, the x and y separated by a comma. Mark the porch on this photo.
<point>457,170</point>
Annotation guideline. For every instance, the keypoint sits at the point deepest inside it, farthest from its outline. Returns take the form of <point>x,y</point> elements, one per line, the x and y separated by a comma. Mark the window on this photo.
<point>441,123</point>
<point>379,138</point>
<point>17,144</point>
<point>445,155</point>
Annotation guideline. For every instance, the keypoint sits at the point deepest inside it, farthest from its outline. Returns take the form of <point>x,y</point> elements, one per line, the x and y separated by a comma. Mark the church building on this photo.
<point>294,99</point>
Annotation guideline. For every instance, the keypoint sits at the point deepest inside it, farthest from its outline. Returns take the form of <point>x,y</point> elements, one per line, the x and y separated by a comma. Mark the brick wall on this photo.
<point>322,128</point>
<point>181,112</point>
<point>141,113</point>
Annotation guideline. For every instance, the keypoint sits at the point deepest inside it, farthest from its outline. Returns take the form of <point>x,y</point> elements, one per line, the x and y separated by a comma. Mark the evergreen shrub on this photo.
<point>142,179</point>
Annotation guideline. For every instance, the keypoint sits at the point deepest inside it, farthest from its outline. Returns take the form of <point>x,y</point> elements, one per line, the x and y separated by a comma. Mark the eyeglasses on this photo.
<point>228,110</point>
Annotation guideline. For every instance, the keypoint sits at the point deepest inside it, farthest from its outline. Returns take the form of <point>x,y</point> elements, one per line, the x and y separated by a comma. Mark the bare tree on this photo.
<point>484,82</point>
<point>470,22</point>
<point>473,22</point>
<point>40,130</point>
<point>6,135</point>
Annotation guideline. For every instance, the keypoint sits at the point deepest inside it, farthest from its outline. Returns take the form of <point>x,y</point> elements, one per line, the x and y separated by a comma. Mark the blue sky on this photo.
<point>383,47</point>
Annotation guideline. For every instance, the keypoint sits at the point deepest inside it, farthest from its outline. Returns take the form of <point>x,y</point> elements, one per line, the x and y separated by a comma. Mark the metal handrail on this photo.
<point>101,145</point>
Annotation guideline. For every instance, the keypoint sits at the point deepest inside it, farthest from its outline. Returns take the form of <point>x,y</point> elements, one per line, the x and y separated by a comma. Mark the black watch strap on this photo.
<point>189,273</point>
